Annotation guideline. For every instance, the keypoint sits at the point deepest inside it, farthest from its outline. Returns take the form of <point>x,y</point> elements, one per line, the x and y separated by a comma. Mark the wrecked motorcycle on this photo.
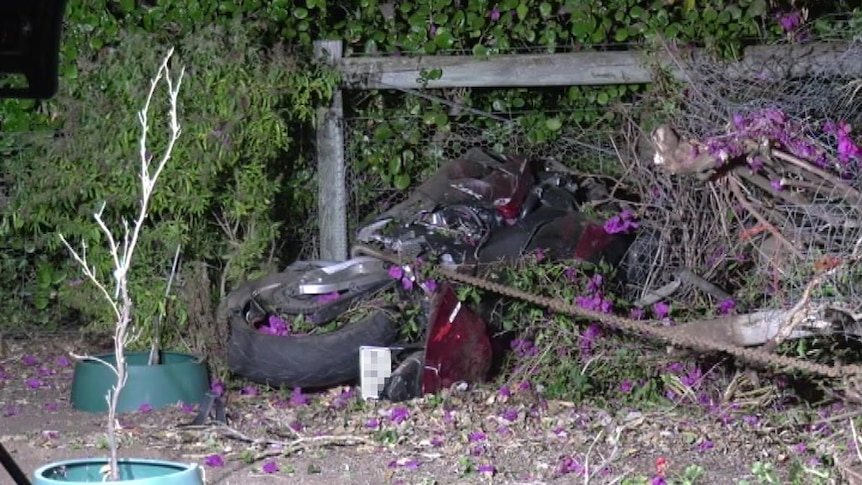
<point>478,209</point>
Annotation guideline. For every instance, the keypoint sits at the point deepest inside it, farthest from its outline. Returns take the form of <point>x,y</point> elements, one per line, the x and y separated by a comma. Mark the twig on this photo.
<point>855,439</point>
<point>157,333</point>
<point>793,316</point>
<point>298,444</point>
<point>740,197</point>
<point>835,181</point>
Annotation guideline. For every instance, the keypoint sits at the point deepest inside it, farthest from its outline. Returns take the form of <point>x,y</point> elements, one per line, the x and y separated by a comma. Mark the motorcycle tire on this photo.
<point>306,361</point>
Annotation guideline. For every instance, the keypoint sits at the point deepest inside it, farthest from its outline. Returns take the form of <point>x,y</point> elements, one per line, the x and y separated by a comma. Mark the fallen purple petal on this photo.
<point>187,407</point>
<point>297,398</point>
<point>249,391</point>
<point>399,414</point>
<point>661,310</point>
<point>510,415</point>
<point>626,386</point>
<point>214,461</point>
<point>570,465</point>
<point>217,387</point>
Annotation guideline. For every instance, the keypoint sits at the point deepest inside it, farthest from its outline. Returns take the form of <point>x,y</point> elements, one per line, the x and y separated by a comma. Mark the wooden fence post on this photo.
<point>331,170</point>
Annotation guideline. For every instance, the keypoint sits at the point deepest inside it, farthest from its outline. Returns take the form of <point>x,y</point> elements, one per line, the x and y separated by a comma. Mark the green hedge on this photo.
<point>247,109</point>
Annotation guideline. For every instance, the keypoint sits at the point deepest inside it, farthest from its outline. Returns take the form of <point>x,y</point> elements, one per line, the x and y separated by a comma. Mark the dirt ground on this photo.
<point>461,437</point>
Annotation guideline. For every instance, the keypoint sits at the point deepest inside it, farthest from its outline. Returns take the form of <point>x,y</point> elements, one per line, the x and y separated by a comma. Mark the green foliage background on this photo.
<point>243,161</point>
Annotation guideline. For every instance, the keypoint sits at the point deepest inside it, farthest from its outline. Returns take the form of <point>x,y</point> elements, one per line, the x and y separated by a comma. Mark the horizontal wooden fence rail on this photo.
<point>586,68</point>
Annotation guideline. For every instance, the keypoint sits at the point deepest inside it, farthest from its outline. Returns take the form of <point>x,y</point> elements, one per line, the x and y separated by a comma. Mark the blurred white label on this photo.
<point>375,368</point>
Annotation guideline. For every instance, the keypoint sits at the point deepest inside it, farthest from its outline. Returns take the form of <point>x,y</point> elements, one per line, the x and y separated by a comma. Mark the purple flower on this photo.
<point>476,436</point>
<point>540,255</point>
<point>494,14</point>
<point>626,386</point>
<point>62,361</point>
<point>487,469</point>
<point>621,223</point>
<point>217,387</point>
<point>776,184</point>
<point>407,283</point>
<point>726,306</point>
<point>399,414</point>
<point>595,303</point>
<point>29,360</point>
<point>33,383</point>
<point>412,464</point>
<point>297,398</point>
<point>595,283</point>
<point>790,21</point>
<point>396,272</point>
<point>588,338</point>
<point>51,406</point>
<point>372,423</point>
<point>187,408</point>
<point>657,480</point>
<point>214,461</point>
<point>270,467</point>
<point>750,420</point>
<point>430,286</point>
<point>329,297</point>
<point>800,448</point>
<point>675,367</point>
<point>145,408</point>
<point>277,326</point>
<point>437,441</point>
<point>692,378</point>
<point>661,310</point>
<point>249,391</point>
<point>524,348</point>
<point>45,372</point>
<point>10,410</point>
<point>636,313</point>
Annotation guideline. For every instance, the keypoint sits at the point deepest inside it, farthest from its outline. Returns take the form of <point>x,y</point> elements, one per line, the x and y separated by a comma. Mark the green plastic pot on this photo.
<point>132,472</point>
<point>179,378</point>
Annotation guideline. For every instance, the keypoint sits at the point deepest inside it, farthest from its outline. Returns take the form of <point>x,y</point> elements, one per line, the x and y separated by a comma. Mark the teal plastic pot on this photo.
<point>179,378</point>
<point>132,472</point>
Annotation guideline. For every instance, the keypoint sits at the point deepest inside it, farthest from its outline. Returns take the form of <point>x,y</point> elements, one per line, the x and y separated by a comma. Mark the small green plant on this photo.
<point>764,472</point>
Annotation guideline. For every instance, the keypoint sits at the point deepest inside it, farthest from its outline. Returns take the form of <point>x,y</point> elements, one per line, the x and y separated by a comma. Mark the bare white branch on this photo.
<point>122,252</point>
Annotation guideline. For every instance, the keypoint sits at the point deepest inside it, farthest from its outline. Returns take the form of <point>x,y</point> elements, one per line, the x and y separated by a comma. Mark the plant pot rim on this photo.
<point>182,467</point>
<point>193,358</point>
